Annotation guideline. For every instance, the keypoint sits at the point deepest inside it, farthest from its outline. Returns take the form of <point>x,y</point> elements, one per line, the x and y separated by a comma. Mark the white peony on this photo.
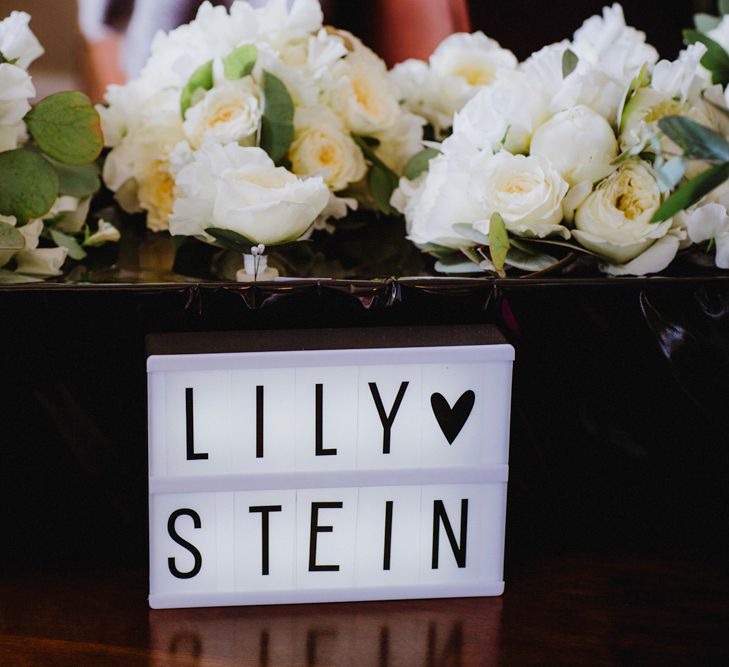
<point>437,200</point>
<point>230,112</point>
<point>614,48</point>
<point>475,59</point>
<point>18,44</point>
<point>586,84</point>
<point>322,147</point>
<point>579,143</point>
<point>240,189</point>
<point>526,191</point>
<point>505,113</point>
<point>615,220</point>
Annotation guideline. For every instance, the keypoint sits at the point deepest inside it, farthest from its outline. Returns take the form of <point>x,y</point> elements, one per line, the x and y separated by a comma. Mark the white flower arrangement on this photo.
<point>589,146</point>
<point>47,162</point>
<point>267,91</point>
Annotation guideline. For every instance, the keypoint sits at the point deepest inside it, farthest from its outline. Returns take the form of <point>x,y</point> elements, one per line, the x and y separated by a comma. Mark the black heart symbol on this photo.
<point>452,419</point>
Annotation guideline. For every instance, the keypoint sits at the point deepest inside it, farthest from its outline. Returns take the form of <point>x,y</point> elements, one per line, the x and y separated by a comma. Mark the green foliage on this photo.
<point>29,184</point>
<point>67,128</point>
<point>466,230</point>
<point>381,180</point>
<point>419,163</point>
<point>723,7</point>
<point>240,62</point>
<point>716,59</point>
<point>691,192</point>
<point>229,240</point>
<point>696,141</point>
<point>499,242</point>
<point>669,173</point>
<point>80,180</point>
<point>75,251</point>
<point>569,63</point>
<point>10,238</point>
<point>705,22</point>
<point>201,79</point>
<point>640,80</point>
<point>277,129</point>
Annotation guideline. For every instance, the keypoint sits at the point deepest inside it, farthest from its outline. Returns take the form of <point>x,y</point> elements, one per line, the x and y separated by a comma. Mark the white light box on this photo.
<point>327,465</point>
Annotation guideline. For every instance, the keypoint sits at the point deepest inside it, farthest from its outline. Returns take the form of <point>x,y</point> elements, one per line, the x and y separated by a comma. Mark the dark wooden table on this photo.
<point>557,610</point>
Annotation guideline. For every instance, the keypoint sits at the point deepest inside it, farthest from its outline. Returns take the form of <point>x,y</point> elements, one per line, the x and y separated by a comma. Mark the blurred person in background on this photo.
<point>118,33</point>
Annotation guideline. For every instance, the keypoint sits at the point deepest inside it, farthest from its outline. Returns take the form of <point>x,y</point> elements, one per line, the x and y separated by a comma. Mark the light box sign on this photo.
<point>327,465</point>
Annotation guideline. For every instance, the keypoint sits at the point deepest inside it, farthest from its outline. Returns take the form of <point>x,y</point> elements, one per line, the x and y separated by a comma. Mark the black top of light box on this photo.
<point>323,339</point>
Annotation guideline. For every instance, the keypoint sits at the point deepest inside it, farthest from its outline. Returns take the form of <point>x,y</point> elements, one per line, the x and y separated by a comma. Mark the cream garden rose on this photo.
<point>322,147</point>
<point>579,143</point>
<point>363,95</point>
<point>526,191</point>
<point>615,220</point>
<point>240,189</point>
<point>230,112</point>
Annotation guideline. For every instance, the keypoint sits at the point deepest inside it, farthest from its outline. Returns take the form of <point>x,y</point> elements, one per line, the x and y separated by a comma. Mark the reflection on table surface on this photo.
<point>427,633</point>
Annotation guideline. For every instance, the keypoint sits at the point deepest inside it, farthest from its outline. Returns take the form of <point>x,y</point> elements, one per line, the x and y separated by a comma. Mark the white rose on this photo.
<point>17,41</point>
<point>230,112</point>
<point>240,189</point>
<point>436,201</point>
<point>11,136</point>
<point>475,59</point>
<point>526,191</point>
<point>579,143</point>
<point>507,111</point>
<point>615,220</point>
<point>363,95</point>
<point>322,147</point>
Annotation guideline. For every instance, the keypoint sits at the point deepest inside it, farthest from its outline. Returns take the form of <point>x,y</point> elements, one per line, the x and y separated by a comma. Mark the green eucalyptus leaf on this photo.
<point>12,278</point>
<point>457,264</point>
<point>569,63</point>
<point>419,163</point>
<point>381,180</point>
<point>277,129</point>
<point>77,180</point>
<point>691,192</point>
<point>466,230</point>
<point>529,261</point>
<point>499,242</point>
<point>695,140</point>
<point>75,251</point>
<point>706,22</point>
<point>240,62</point>
<point>382,183</point>
<point>716,59</point>
<point>201,79</point>
<point>67,128</point>
<point>723,7</point>
<point>11,238</point>
<point>230,240</point>
<point>670,173</point>
<point>28,186</point>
